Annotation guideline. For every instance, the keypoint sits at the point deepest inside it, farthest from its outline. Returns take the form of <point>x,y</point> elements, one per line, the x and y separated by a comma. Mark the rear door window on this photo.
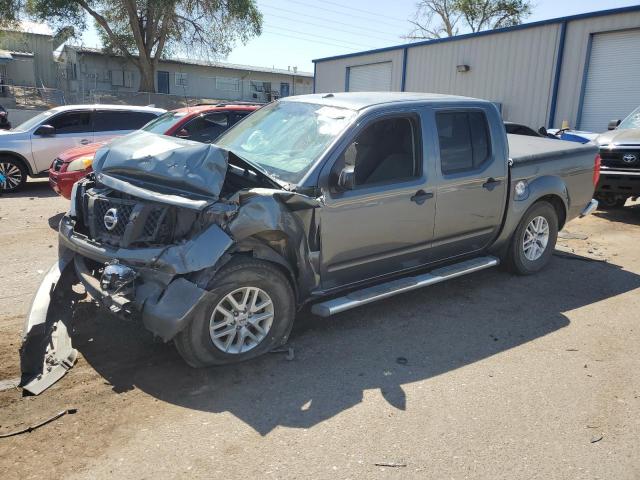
<point>116,120</point>
<point>205,128</point>
<point>464,140</point>
<point>71,122</point>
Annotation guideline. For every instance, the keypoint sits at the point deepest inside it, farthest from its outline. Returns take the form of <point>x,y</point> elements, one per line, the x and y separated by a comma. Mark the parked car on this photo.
<point>202,123</point>
<point>620,157</point>
<point>337,200</point>
<point>29,148</point>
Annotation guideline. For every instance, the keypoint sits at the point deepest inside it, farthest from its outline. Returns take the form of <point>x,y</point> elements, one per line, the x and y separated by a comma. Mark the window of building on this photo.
<point>228,84</point>
<point>464,140</point>
<point>115,120</point>
<point>181,79</point>
<point>117,78</point>
<point>385,151</point>
<point>71,122</point>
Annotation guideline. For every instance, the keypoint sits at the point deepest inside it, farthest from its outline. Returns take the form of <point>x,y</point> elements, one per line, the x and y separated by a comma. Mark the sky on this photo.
<point>297,31</point>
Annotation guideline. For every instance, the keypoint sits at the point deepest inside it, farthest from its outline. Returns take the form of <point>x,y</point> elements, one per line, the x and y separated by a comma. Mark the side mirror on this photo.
<point>346,178</point>
<point>613,124</point>
<point>543,131</point>
<point>182,133</point>
<point>45,130</point>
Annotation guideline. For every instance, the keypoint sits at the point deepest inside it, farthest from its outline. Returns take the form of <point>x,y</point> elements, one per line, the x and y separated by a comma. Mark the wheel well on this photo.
<point>557,203</point>
<point>19,158</point>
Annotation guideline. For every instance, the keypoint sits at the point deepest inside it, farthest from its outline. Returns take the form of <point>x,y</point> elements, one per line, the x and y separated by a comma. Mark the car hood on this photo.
<point>163,164</point>
<point>627,136</point>
<point>12,135</point>
<point>85,150</point>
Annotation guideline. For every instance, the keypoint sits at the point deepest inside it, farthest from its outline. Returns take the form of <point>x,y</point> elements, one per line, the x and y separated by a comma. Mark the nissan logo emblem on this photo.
<point>629,158</point>
<point>111,219</point>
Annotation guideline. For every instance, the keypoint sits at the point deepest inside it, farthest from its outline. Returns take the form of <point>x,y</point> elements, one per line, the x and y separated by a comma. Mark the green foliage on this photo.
<point>445,18</point>
<point>145,30</point>
<point>10,11</point>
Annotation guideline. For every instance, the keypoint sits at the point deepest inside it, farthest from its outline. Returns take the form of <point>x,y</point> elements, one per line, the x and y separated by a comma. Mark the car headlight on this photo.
<point>79,164</point>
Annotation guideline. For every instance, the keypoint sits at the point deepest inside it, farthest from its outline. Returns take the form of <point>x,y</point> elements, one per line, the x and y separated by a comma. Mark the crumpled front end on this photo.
<point>149,256</point>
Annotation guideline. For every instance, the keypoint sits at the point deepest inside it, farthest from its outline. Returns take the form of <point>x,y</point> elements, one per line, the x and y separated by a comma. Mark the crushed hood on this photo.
<point>164,164</point>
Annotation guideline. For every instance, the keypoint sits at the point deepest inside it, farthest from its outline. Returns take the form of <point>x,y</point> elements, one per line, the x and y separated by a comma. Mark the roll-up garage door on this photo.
<point>612,89</point>
<point>375,77</point>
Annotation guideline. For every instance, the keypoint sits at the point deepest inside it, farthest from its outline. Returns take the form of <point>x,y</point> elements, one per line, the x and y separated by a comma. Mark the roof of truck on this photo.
<point>360,100</point>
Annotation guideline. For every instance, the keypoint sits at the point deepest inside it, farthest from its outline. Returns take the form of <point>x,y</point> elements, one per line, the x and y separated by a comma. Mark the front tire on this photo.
<point>534,240</point>
<point>250,311</point>
<point>14,174</point>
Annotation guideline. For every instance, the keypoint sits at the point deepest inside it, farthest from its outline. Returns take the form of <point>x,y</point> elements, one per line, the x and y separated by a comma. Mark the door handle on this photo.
<point>421,196</point>
<point>491,183</point>
<point>84,141</point>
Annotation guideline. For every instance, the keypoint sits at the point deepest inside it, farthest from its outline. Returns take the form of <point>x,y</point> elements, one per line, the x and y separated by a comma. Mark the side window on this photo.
<point>205,128</point>
<point>387,150</point>
<point>464,141</point>
<point>236,117</point>
<point>115,120</point>
<point>72,122</point>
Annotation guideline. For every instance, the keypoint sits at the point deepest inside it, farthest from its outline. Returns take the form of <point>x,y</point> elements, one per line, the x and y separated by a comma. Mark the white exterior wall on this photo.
<point>93,74</point>
<point>513,68</point>
<point>575,59</point>
<point>331,75</point>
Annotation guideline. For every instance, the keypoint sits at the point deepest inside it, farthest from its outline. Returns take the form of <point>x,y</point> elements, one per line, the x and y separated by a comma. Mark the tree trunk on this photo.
<point>147,80</point>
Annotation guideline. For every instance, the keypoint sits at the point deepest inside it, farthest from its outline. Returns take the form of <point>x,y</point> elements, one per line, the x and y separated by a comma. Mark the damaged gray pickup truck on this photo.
<point>336,200</point>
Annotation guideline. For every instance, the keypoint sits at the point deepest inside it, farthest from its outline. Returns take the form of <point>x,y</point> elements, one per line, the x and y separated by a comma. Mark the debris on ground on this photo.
<point>572,236</point>
<point>31,428</point>
<point>289,351</point>
<point>390,464</point>
<point>596,439</point>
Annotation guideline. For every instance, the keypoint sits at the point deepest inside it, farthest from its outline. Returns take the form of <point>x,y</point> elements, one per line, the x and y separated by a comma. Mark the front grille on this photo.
<point>620,158</point>
<point>57,165</point>
<point>127,222</point>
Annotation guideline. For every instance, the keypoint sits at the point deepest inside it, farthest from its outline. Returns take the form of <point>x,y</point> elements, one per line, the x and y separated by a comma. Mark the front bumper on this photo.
<point>619,182</point>
<point>62,182</point>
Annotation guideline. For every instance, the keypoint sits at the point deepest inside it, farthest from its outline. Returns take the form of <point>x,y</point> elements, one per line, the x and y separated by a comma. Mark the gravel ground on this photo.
<point>487,376</point>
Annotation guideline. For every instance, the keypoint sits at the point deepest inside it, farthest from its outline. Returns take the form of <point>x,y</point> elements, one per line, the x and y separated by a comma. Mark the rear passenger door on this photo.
<point>108,124</point>
<point>472,183</point>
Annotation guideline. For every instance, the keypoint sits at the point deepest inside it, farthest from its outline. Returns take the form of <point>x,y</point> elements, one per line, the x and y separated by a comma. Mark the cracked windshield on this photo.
<point>286,138</point>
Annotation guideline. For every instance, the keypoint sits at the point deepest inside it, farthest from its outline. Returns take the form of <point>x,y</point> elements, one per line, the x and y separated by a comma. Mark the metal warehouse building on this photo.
<point>584,69</point>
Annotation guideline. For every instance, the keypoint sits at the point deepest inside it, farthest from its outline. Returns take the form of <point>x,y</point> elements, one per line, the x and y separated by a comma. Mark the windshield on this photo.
<point>286,138</point>
<point>632,121</point>
<point>33,121</point>
<point>164,122</point>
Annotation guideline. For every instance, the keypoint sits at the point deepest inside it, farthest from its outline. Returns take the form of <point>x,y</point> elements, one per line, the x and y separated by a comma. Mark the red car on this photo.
<point>202,123</point>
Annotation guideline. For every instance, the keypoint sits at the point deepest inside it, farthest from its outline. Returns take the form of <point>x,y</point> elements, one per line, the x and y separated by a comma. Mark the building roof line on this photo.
<point>580,16</point>
<point>202,63</point>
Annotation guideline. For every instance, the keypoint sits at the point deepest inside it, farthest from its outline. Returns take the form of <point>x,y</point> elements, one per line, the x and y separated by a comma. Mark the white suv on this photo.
<point>30,147</point>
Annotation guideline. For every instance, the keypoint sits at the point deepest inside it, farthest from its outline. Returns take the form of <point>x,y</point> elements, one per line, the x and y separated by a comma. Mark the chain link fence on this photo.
<point>15,96</point>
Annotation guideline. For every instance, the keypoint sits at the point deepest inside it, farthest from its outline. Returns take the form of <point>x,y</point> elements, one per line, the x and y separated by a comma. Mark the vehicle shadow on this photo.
<point>629,214</point>
<point>38,188</point>
<point>404,339</point>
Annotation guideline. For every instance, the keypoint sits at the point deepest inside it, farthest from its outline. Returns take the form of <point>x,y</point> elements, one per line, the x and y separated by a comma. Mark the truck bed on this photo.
<point>524,149</point>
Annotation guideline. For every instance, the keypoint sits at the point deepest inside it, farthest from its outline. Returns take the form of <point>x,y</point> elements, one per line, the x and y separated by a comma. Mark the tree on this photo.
<point>10,12</point>
<point>442,18</point>
<point>145,30</point>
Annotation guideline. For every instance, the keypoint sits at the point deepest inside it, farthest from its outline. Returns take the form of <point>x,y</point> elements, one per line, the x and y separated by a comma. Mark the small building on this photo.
<point>26,56</point>
<point>583,69</point>
<point>90,70</point>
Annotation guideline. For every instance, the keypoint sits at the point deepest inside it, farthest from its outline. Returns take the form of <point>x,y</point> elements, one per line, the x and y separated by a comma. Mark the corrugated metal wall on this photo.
<point>330,76</point>
<point>576,46</point>
<point>513,68</point>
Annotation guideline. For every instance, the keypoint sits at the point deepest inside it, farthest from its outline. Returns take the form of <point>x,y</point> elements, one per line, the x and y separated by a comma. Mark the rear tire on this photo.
<point>14,173</point>
<point>534,240</point>
<point>253,331</point>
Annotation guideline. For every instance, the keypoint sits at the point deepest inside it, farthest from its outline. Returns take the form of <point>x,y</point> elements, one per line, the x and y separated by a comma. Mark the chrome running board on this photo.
<point>405,284</point>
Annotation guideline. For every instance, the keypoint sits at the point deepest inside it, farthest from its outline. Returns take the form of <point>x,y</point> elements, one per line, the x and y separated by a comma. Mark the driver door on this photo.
<point>384,223</point>
<point>73,129</point>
